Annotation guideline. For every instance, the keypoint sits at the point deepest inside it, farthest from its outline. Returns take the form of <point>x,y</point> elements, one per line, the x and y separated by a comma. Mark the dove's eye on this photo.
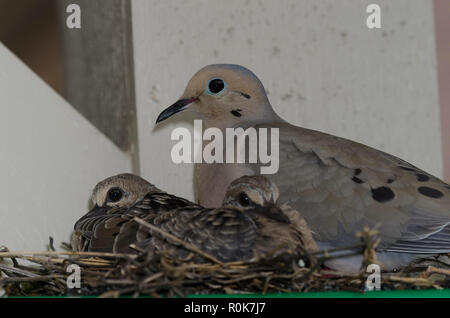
<point>215,86</point>
<point>244,199</point>
<point>114,194</point>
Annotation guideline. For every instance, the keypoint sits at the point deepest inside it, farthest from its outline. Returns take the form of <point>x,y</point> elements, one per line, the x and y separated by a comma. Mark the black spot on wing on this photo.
<point>357,180</point>
<point>430,192</point>
<point>389,181</point>
<point>422,177</point>
<point>236,112</point>
<point>357,171</point>
<point>382,194</point>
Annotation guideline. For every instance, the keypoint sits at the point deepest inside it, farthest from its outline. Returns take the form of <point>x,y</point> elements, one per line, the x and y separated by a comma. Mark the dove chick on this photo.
<point>279,228</point>
<point>248,225</point>
<point>339,185</point>
<point>108,227</point>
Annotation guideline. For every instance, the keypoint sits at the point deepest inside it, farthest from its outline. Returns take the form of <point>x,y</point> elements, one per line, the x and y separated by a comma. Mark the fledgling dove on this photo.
<point>108,227</point>
<point>277,226</point>
<point>338,185</point>
<point>249,224</point>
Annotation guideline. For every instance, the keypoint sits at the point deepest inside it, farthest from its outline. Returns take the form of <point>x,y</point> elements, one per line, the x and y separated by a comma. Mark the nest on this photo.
<point>160,275</point>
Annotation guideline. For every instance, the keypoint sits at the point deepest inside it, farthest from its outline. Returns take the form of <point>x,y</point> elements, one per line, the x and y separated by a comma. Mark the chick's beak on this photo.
<point>175,108</point>
<point>273,212</point>
<point>95,211</point>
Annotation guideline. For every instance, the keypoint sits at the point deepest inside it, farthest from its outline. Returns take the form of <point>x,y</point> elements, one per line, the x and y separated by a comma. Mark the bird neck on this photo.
<point>245,121</point>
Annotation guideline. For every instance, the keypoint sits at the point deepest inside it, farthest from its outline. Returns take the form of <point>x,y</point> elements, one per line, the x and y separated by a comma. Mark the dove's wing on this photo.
<point>107,229</point>
<point>226,234</point>
<point>340,185</point>
<point>98,229</point>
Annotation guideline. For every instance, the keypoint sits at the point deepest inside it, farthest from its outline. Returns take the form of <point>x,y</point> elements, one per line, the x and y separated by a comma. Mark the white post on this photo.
<point>50,159</point>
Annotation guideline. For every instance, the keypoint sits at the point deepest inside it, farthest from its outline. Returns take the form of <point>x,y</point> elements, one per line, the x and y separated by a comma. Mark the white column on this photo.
<point>50,159</point>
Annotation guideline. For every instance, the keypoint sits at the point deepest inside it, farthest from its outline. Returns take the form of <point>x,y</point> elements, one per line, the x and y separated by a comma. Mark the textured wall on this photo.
<point>442,14</point>
<point>323,69</point>
<point>50,159</point>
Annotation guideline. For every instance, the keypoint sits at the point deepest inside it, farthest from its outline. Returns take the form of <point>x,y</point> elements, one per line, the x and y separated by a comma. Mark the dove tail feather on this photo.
<point>436,243</point>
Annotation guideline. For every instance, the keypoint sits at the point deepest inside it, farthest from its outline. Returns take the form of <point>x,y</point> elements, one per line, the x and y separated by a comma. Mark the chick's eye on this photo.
<point>115,195</point>
<point>215,86</point>
<point>243,199</point>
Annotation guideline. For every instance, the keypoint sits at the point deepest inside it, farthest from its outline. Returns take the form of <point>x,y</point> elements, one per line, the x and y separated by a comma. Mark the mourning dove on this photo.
<point>338,185</point>
<point>249,224</point>
<point>108,227</point>
<point>277,226</point>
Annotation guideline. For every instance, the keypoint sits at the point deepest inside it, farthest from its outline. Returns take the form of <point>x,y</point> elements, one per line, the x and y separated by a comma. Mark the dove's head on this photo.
<point>225,94</point>
<point>121,190</point>
<point>255,194</point>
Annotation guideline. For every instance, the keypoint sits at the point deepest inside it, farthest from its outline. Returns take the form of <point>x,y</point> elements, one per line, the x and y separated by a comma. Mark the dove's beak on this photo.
<point>95,211</point>
<point>273,212</point>
<point>175,108</point>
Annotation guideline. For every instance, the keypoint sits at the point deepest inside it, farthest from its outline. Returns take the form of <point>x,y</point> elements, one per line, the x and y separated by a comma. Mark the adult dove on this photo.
<point>338,185</point>
<point>249,224</point>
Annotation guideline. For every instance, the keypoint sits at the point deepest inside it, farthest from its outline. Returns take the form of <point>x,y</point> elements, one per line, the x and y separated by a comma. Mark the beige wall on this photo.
<point>442,18</point>
<point>323,69</point>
